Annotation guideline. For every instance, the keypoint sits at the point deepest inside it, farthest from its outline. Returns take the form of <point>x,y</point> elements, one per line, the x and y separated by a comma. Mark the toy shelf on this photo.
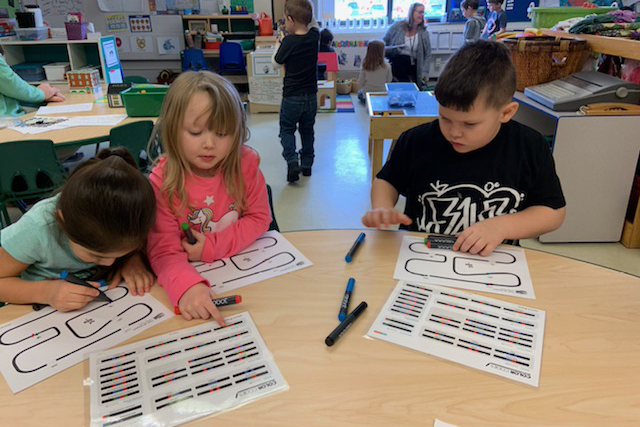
<point>618,46</point>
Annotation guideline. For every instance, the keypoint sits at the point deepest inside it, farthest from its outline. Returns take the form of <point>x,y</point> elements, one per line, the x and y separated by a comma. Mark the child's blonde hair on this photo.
<point>374,57</point>
<point>227,116</point>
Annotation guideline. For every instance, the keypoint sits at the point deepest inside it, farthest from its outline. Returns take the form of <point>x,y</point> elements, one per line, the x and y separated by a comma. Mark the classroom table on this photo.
<point>589,372</point>
<point>66,137</point>
<point>387,122</point>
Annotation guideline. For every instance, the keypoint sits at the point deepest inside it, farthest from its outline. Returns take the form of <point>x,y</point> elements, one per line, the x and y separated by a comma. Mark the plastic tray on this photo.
<point>547,17</point>
<point>143,101</point>
<point>35,33</point>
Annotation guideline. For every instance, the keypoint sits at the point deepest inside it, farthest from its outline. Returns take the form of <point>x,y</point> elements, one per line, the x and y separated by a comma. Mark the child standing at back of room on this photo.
<point>103,213</point>
<point>209,179</point>
<point>326,39</point>
<point>473,172</point>
<point>497,21</point>
<point>375,71</point>
<point>475,23</point>
<point>299,52</point>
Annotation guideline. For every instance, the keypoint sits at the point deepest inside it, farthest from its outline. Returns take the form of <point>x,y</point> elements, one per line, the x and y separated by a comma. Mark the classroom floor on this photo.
<point>337,194</point>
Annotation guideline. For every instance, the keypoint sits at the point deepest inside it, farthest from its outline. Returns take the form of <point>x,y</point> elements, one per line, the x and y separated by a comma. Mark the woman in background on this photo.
<point>409,48</point>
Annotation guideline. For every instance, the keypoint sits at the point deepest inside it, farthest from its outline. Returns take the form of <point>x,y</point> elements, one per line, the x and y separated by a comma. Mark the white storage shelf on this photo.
<point>78,53</point>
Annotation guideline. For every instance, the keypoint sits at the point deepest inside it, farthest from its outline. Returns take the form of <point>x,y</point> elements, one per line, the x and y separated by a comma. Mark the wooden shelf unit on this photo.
<point>78,53</point>
<point>228,25</point>
<point>626,48</point>
<point>618,46</point>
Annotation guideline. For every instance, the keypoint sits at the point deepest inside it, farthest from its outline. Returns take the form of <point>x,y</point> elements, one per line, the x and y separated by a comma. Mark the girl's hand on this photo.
<point>196,303</point>
<point>480,238</point>
<point>135,273</point>
<point>194,252</point>
<point>65,296</point>
<point>51,93</point>
<point>384,217</point>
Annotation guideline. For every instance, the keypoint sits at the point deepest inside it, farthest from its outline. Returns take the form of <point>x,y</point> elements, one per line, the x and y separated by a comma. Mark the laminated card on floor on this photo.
<point>269,256</point>
<point>483,333</point>
<point>504,272</point>
<point>186,374</point>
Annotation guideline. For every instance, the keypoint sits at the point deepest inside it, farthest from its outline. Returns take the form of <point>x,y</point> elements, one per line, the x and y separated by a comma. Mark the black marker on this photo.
<point>218,302</point>
<point>187,232</point>
<point>346,323</point>
<point>71,278</point>
<point>355,247</point>
<point>344,307</point>
<point>440,241</point>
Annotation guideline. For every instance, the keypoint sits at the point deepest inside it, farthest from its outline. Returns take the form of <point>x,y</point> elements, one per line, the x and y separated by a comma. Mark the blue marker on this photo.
<point>344,308</point>
<point>354,248</point>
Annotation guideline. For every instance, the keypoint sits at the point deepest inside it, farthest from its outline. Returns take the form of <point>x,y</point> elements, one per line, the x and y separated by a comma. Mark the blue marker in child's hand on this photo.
<point>71,278</point>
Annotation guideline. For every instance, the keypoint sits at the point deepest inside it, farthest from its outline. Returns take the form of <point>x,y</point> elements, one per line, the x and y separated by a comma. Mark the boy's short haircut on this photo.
<point>473,4</point>
<point>495,1</point>
<point>326,37</point>
<point>301,11</point>
<point>477,68</point>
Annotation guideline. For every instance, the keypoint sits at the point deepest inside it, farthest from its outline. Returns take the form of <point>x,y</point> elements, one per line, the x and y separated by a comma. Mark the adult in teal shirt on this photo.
<point>14,90</point>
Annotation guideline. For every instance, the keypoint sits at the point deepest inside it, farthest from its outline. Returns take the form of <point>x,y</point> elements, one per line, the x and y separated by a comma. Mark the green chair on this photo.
<point>28,169</point>
<point>134,136</point>
<point>135,79</point>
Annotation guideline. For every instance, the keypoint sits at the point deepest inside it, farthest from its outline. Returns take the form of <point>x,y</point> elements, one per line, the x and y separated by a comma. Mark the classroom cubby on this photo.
<point>78,53</point>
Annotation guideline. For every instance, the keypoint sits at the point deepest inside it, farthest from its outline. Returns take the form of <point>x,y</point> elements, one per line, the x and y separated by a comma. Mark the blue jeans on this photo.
<point>298,112</point>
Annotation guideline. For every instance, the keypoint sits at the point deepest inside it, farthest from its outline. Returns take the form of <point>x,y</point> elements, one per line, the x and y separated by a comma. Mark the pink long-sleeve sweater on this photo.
<point>211,210</point>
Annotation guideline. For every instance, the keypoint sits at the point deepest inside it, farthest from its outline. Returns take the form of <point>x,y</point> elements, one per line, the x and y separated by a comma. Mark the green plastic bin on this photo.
<point>143,101</point>
<point>547,17</point>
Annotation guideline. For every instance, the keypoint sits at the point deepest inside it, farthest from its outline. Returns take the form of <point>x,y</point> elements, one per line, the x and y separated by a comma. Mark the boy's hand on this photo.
<point>194,252</point>
<point>136,274</point>
<point>480,238</point>
<point>379,217</point>
<point>65,296</point>
<point>51,93</point>
<point>196,303</point>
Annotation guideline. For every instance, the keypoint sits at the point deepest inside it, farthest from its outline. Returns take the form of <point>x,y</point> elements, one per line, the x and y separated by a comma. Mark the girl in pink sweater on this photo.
<point>209,179</point>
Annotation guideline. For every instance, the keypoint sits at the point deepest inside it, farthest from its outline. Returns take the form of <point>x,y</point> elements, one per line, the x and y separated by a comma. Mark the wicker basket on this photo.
<point>343,86</point>
<point>543,59</point>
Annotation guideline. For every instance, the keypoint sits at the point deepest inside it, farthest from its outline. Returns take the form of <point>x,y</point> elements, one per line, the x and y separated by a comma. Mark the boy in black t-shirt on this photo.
<point>299,52</point>
<point>472,172</point>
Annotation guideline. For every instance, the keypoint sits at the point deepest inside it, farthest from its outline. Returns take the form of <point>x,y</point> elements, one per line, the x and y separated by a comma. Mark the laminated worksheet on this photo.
<point>176,377</point>
<point>480,332</point>
<point>35,346</point>
<point>504,272</point>
<point>269,256</point>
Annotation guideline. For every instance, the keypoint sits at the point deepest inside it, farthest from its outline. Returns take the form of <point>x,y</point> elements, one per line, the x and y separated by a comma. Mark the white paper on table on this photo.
<point>40,344</point>
<point>97,120</point>
<point>483,333</point>
<point>503,272</point>
<point>183,375</point>
<point>269,256</point>
<point>67,108</point>
<point>438,423</point>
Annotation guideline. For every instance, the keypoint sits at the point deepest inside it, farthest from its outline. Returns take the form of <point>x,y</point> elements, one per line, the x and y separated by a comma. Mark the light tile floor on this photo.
<point>337,194</point>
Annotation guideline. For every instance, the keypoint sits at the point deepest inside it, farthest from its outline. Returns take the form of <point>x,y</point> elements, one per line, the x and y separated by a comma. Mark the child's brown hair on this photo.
<point>374,58</point>
<point>301,11</point>
<point>107,204</point>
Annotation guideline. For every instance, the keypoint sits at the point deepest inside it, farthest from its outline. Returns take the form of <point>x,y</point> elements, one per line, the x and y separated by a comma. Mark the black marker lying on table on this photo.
<point>71,278</point>
<point>219,302</point>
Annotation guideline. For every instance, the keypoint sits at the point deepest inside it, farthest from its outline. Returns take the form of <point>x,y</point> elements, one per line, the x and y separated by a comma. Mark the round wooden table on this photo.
<point>590,372</point>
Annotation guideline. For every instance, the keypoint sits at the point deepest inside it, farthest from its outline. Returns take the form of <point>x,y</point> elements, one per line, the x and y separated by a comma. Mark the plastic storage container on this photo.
<point>76,30</point>
<point>30,71</point>
<point>55,71</point>
<point>35,33</point>
<point>547,17</point>
<point>143,101</point>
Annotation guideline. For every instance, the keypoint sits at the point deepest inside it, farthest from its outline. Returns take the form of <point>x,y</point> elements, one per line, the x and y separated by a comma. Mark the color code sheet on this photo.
<point>504,272</point>
<point>176,377</point>
<point>480,332</point>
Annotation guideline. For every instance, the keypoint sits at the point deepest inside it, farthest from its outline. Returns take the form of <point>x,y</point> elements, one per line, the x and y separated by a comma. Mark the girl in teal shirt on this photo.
<point>14,90</point>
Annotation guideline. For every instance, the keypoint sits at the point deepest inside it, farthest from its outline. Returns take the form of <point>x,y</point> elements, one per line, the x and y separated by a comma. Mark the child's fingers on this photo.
<point>115,281</point>
<point>215,312</point>
<point>404,219</point>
